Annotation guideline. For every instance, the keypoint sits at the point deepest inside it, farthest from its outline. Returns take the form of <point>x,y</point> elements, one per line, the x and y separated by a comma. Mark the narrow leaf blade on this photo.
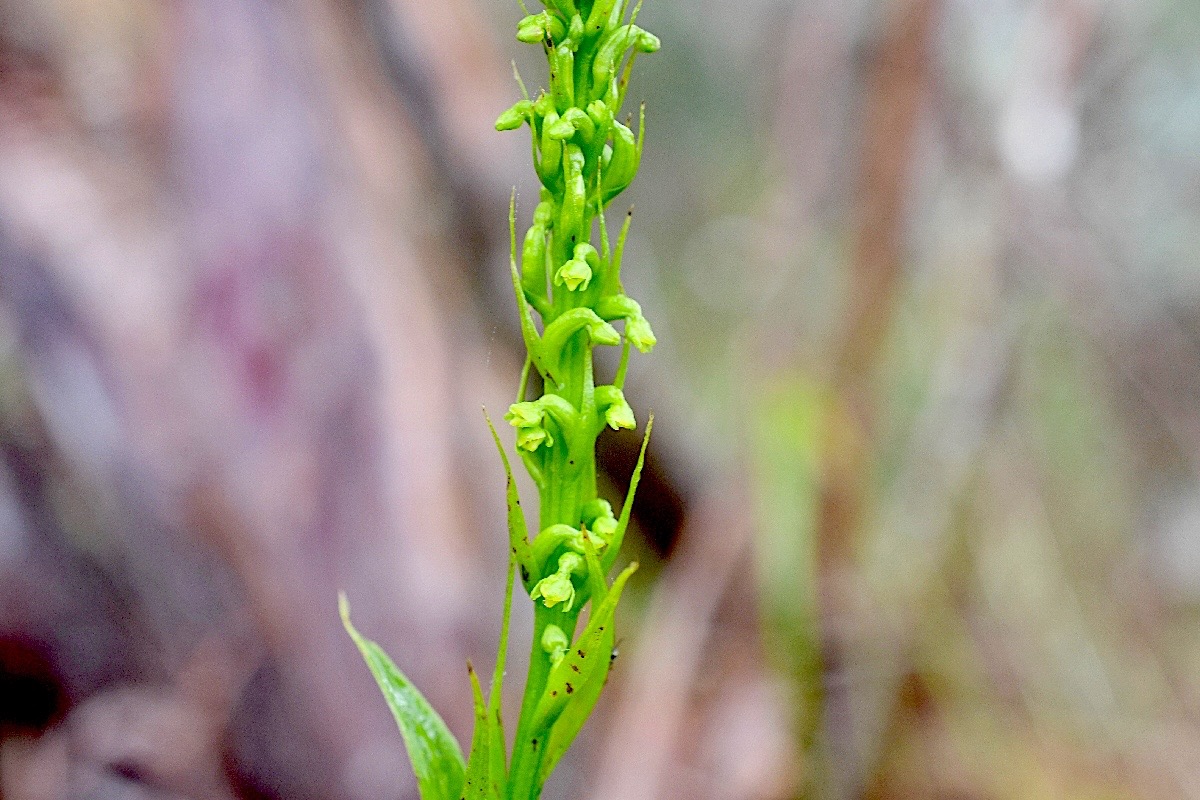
<point>436,758</point>
<point>577,710</point>
<point>582,659</point>
<point>614,546</point>
<point>518,529</point>
<point>477,785</point>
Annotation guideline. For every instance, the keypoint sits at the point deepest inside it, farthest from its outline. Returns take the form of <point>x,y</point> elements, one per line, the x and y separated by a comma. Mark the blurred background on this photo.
<point>922,514</point>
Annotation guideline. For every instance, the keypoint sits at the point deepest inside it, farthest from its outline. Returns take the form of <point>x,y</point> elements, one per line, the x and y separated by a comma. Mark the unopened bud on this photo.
<point>555,643</point>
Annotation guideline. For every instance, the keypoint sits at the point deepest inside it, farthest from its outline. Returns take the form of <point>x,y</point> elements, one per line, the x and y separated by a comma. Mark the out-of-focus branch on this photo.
<point>897,75</point>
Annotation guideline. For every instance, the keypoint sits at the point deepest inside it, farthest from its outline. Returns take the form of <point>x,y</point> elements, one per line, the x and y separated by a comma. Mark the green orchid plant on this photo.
<point>569,275</point>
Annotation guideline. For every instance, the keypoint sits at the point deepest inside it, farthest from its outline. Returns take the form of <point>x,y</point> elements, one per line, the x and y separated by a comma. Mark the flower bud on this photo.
<point>598,517</point>
<point>613,48</point>
<point>514,117</point>
<point>575,32</point>
<point>555,643</point>
<point>605,527</point>
<point>539,27</point>
<point>581,122</point>
<point>622,167</point>
<point>561,128</point>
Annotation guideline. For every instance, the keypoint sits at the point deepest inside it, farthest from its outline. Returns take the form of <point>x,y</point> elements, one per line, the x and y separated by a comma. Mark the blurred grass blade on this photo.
<point>435,755</point>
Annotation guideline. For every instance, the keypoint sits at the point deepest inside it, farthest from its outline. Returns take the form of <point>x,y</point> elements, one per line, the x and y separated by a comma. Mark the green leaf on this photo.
<point>583,659</point>
<point>487,768</point>
<point>435,755</point>
<point>614,546</point>
<point>577,711</point>
<point>478,784</point>
<point>518,530</point>
<point>497,746</point>
<point>588,684</point>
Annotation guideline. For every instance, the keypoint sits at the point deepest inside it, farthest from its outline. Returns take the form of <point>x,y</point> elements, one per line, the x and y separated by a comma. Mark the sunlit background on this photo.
<point>922,514</point>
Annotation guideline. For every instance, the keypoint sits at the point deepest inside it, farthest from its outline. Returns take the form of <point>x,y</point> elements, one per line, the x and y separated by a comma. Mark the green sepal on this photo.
<point>576,275</point>
<point>529,418</point>
<point>436,758</point>
<point>559,586</point>
<point>518,531</point>
<point>614,544</point>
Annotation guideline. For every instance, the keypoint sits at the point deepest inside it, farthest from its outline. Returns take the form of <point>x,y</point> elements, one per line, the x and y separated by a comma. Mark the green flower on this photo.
<point>576,274</point>
<point>529,419</point>
<point>617,413</point>
<point>637,329</point>
<point>598,517</point>
<point>558,588</point>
